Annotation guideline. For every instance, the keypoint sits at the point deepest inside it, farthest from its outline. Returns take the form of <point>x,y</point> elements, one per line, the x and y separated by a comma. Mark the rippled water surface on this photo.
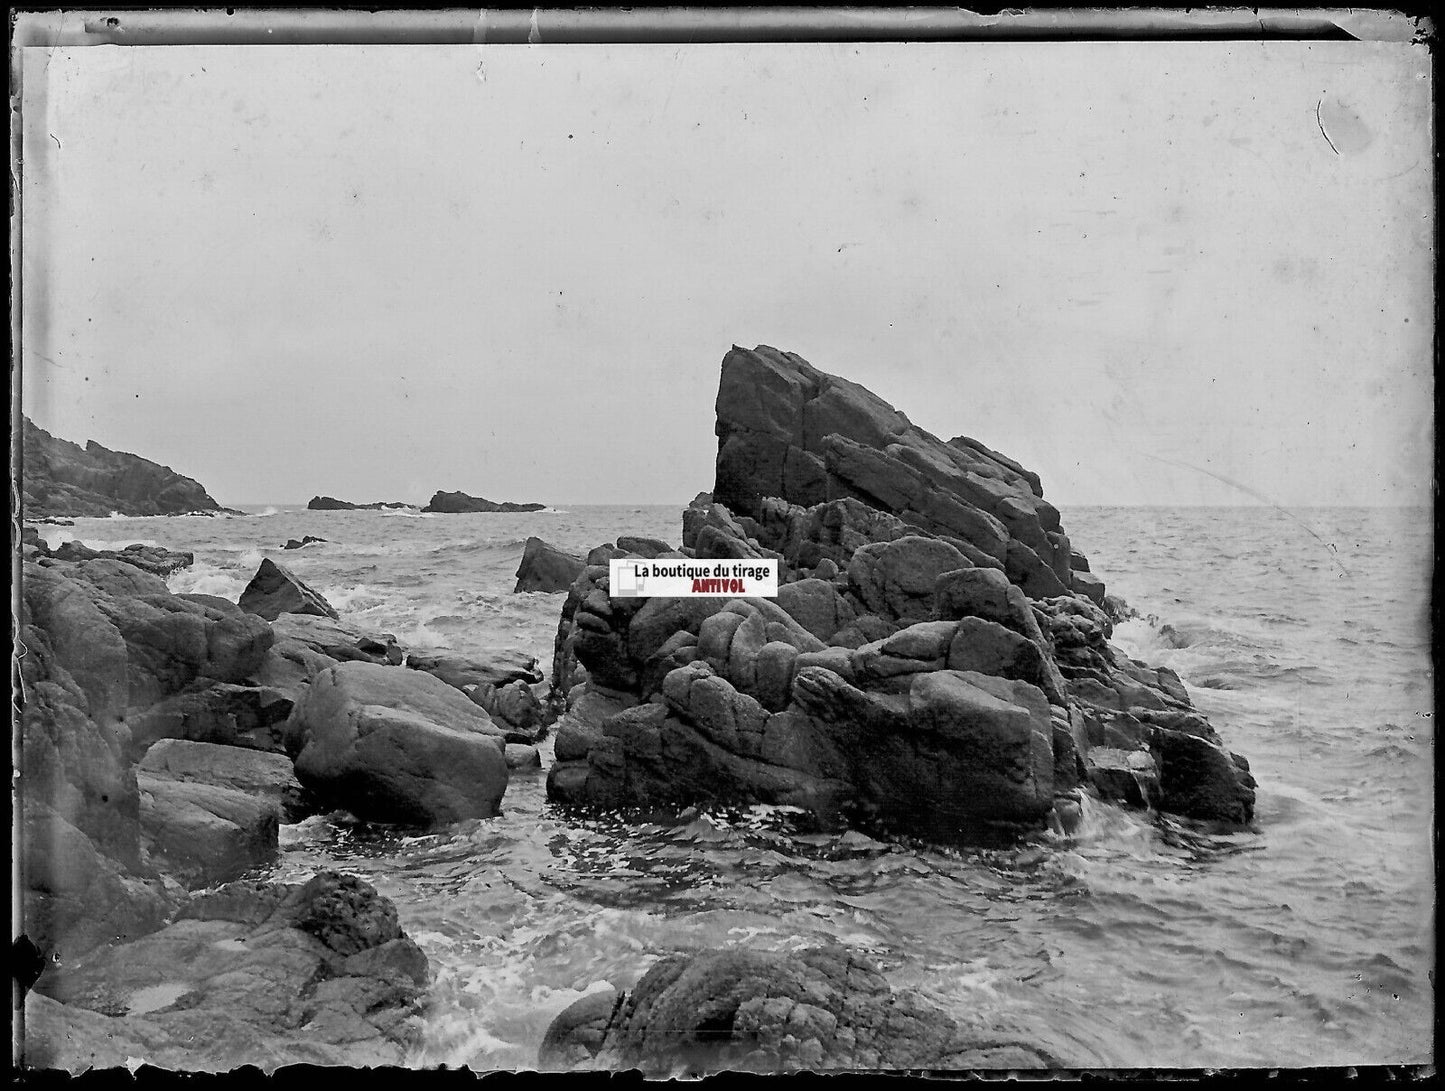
<point>1304,636</point>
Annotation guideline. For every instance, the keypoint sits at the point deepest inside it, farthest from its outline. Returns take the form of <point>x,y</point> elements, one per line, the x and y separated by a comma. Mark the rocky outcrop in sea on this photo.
<point>61,478</point>
<point>937,660</point>
<point>330,503</point>
<point>453,503</point>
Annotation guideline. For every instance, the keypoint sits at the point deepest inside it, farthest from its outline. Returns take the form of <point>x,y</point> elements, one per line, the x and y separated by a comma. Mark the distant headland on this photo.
<point>64,479</point>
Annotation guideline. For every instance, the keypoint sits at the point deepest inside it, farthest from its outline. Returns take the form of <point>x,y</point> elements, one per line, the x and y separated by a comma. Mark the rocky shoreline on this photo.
<point>165,739</point>
<point>936,665</point>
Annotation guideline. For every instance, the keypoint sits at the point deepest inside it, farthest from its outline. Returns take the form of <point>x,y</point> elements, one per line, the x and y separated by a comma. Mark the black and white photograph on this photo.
<point>772,540</point>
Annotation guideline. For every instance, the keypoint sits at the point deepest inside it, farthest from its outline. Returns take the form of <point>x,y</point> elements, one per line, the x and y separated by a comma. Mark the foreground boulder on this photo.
<point>397,746</point>
<point>105,640</point>
<point>205,833</point>
<point>546,568</point>
<point>275,590</point>
<point>104,643</point>
<point>62,478</point>
<point>78,896</point>
<point>459,502</point>
<point>212,812</point>
<point>251,973</point>
<point>268,777</point>
<point>767,1012</point>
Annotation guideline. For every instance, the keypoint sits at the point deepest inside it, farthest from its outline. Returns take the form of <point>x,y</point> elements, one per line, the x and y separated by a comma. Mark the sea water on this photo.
<point>1138,942</point>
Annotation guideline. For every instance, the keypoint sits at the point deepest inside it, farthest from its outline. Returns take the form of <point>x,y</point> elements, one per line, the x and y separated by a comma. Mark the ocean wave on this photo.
<point>471,545</point>
<point>203,578</point>
<point>357,598</point>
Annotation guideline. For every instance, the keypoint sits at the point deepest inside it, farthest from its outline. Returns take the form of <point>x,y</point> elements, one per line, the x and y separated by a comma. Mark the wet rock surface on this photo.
<point>249,973</point>
<point>155,759</point>
<point>741,1010</point>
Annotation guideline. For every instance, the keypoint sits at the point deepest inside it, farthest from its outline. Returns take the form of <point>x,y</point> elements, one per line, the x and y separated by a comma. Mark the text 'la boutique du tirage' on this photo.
<point>635,577</point>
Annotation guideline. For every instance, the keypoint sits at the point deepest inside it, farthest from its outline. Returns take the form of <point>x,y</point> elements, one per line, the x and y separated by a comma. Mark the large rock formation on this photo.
<point>936,659</point>
<point>457,502</point>
<point>740,1010</point>
<point>790,431</point>
<point>62,478</point>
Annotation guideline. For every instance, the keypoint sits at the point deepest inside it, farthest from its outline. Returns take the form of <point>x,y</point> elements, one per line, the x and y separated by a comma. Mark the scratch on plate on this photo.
<point>1321,123</point>
<point>1258,496</point>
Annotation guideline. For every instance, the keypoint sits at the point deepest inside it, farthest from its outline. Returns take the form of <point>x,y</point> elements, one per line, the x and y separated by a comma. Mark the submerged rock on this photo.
<point>758,1011</point>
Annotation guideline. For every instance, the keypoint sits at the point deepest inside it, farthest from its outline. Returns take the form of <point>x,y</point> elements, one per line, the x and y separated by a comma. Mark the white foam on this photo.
<point>207,579</point>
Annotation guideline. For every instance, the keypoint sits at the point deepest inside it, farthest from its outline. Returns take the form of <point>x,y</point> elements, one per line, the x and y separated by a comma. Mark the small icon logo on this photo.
<point>629,583</point>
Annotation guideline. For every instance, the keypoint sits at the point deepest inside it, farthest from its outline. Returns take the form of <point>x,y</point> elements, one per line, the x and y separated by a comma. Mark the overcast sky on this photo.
<point>375,272</point>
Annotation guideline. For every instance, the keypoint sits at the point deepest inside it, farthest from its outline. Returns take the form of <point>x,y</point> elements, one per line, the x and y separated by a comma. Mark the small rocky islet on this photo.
<point>450,503</point>
<point>936,666</point>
